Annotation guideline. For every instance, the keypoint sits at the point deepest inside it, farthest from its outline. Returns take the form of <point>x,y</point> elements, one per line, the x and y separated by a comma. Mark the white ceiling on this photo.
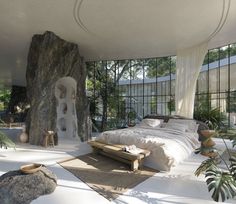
<point>116,29</point>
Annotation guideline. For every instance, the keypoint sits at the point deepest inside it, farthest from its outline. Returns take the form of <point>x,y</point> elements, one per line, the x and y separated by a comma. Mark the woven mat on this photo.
<point>108,177</point>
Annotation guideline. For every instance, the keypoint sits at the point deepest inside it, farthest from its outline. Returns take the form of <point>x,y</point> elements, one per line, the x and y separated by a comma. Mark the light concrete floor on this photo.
<point>179,186</point>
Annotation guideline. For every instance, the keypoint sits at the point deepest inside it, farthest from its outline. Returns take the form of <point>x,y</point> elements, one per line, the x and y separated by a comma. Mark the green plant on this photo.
<point>213,117</point>
<point>5,141</point>
<point>131,117</point>
<point>5,95</point>
<point>221,182</point>
<point>171,105</point>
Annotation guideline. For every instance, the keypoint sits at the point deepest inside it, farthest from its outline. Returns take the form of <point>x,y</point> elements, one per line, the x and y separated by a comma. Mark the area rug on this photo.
<point>108,177</point>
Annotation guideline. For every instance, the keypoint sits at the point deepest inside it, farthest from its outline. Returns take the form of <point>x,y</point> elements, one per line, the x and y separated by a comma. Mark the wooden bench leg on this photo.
<point>45,141</point>
<point>96,150</point>
<point>134,165</point>
<point>51,140</point>
<point>140,163</point>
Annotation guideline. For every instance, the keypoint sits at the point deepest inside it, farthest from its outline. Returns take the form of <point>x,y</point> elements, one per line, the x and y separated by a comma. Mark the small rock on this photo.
<point>17,187</point>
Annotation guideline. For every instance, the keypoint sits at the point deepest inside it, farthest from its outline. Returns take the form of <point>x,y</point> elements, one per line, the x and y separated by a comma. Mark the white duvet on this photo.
<point>168,147</point>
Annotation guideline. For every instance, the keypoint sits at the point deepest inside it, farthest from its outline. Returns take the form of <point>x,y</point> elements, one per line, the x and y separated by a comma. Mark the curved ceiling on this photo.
<point>109,29</point>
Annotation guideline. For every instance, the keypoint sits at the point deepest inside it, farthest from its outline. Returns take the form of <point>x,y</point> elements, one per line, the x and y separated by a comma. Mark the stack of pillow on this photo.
<point>147,122</point>
<point>183,125</point>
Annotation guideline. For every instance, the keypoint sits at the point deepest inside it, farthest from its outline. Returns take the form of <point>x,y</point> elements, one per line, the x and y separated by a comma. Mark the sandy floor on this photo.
<point>179,186</point>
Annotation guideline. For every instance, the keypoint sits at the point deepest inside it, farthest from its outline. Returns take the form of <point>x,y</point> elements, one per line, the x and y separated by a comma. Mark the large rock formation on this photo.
<point>19,188</point>
<point>51,58</point>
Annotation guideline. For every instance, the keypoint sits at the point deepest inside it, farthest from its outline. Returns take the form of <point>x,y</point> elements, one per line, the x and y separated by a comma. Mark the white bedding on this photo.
<point>168,147</point>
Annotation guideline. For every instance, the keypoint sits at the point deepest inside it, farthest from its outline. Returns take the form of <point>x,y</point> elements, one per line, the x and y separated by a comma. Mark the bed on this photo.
<point>170,141</point>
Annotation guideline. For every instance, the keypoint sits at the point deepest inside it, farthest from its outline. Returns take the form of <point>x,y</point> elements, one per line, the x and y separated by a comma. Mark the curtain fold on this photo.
<point>188,66</point>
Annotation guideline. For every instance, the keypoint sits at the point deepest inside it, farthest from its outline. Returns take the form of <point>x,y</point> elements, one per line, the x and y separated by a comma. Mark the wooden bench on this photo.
<point>115,151</point>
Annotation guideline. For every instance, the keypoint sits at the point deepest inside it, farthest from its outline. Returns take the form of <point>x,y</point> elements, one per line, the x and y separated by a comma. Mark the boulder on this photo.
<point>51,58</point>
<point>20,188</point>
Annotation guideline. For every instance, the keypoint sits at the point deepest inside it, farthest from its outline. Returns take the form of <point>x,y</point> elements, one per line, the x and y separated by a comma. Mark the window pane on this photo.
<point>233,67</point>
<point>147,86</point>
<point>124,77</point>
<point>136,74</point>
<point>163,66</point>
<point>213,82</point>
<point>223,68</point>
<point>203,82</point>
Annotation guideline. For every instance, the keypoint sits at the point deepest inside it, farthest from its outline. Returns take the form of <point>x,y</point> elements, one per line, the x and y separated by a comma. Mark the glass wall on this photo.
<point>122,92</point>
<point>217,83</point>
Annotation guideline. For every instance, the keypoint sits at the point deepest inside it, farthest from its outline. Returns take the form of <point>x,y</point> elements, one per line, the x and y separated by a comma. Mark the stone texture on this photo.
<point>19,188</point>
<point>51,58</point>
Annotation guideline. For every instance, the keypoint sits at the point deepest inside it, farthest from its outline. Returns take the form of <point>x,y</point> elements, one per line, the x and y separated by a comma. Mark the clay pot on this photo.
<point>209,143</point>
<point>207,133</point>
<point>31,168</point>
<point>23,136</point>
<point>209,154</point>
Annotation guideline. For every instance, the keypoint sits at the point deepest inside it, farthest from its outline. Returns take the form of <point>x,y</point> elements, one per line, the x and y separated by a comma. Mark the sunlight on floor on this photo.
<point>178,186</point>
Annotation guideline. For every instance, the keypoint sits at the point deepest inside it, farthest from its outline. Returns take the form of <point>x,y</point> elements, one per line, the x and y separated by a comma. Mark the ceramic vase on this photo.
<point>24,136</point>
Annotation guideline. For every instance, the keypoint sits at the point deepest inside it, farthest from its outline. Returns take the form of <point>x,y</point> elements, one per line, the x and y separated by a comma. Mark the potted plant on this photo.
<point>213,117</point>
<point>221,181</point>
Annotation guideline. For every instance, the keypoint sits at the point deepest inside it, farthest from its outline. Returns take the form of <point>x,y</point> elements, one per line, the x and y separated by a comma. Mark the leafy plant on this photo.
<point>211,116</point>
<point>5,95</point>
<point>5,141</point>
<point>221,183</point>
<point>131,117</point>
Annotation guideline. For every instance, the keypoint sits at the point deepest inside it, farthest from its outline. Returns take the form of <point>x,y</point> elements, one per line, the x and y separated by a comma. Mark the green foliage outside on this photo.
<point>5,95</point>
<point>103,85</point>
<point>231,102</point>
<point>107,98</point>
<point>160,66</point>
<point>131,117</point>
<point>222,53</point>
<point>103,89</point>
<point>171,105</point>
<point>153,104</point>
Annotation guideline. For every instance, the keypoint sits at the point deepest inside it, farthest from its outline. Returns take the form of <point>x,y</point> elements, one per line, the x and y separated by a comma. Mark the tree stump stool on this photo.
<point>48,139</point>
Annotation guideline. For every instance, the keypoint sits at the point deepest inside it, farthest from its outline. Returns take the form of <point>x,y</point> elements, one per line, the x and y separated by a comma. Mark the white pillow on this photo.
<point>151,122</point>
<point>163,125</point>
<point>177,126</point>
<point>192,125</point>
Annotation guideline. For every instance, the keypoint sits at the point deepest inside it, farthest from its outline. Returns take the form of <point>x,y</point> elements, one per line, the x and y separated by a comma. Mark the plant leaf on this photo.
<point>232,137</point>
<point>6,141</point>
<point>232,166</point>
<point>197,151</point>
<point>207,164</point>
<point>221,184</point>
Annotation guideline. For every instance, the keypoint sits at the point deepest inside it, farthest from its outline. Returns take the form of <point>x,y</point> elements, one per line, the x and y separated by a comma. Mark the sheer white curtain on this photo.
<point>189,62</point>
